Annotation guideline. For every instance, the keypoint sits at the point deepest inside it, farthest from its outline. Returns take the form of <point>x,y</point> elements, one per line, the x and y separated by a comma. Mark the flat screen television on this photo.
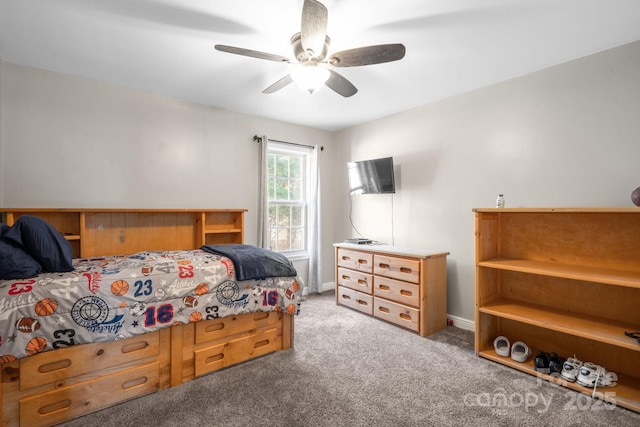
<point>371,176</point>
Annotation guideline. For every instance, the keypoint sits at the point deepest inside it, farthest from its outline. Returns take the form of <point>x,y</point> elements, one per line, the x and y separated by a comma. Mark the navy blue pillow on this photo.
<point>16,263</point>
<point>43,242</point>
<point>3,229</point>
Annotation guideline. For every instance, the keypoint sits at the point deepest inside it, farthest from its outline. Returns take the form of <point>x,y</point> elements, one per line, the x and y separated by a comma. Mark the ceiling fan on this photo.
<point>310,48</point>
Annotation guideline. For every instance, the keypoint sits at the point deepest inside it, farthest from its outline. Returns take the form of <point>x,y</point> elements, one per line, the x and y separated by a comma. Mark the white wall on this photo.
<point>565,136</point>
<point>70,142</point>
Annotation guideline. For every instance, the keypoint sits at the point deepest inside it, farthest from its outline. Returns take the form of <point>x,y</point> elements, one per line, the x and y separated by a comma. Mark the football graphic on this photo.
<point>27,325</point>
<point>190,301</point>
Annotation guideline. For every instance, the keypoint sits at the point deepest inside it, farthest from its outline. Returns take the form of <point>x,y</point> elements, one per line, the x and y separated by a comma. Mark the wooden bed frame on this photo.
<point>58,385</point>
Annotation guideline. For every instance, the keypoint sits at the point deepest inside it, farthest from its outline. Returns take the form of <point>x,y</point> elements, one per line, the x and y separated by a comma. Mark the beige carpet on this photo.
<point>348,369</point>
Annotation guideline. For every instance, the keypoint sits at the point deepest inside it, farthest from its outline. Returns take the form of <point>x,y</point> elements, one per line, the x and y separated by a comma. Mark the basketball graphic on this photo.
<point>119,287</point>
<point>46,306</point>
<point>190,301</point>
<point>36,345</point>
<point>27,325</point>
<point>202,289</point>
<point>7,358</point>
<point>196,316</point>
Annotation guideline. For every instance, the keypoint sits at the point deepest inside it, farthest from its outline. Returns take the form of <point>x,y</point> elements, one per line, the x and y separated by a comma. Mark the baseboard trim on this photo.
<point>462,323</point>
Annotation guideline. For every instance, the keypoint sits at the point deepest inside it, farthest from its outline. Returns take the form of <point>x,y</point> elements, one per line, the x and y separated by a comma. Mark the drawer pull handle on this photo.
<point>134,382</point>
<point>347,297</point>
<point>384,288</point>
<point>406,270</point>
<point>54,366</point>
<point>406,293</point>
<point>261,315</point>
<point>214,327</point>
<point>363,261</point>
<point>53,407</point>
<point>383,265</point>
<point>383,309</point>
<point>345,277</point>
<point>214,358</point>
<point>361,302</point>
<point>345,258</point>
<point>362,282</point>
<point>405,316</point>
<point>262,343</point>
<point>136,346</point>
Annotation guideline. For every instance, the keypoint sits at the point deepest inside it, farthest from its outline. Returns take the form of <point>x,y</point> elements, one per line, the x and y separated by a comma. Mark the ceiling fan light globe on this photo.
<point>310,77</point>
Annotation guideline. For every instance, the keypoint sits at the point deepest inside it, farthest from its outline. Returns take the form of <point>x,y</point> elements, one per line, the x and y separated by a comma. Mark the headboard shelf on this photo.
<point>99,231</point>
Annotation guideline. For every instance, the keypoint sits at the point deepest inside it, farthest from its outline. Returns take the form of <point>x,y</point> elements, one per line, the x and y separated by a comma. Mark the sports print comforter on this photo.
<point>116,297</point>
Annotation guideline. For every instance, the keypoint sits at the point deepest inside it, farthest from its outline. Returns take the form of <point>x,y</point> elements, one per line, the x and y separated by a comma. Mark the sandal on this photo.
<point>520,351</point>
<point>502,346</point>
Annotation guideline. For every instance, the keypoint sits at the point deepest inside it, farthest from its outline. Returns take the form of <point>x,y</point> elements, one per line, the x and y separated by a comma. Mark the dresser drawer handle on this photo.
<point>54,366</point>
<point>362,282</point>
<point>361,302</point>
<point>406,293</point>
<point>347,297</point>
<point>406,270</point>
<point>383,265</point>
<point>405,316</point>
<point>383,309</point>
<point>363,261</point>
<point>345,277</point>
<point>345,258</point>
<point>384,288</point>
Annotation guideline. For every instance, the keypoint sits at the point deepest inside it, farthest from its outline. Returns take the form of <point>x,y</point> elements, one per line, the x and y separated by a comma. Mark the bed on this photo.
<point>120,326</point>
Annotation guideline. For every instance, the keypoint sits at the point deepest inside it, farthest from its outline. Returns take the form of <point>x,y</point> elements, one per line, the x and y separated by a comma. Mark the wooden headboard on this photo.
<point>96,232</point>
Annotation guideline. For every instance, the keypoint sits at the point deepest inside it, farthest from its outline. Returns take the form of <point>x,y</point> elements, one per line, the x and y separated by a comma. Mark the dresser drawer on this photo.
<point>397,268</point>
<point>399,314</point>
<point>355,260</point>
<point>396,290</point>
<point>361,282</point>
<point>356,300</point>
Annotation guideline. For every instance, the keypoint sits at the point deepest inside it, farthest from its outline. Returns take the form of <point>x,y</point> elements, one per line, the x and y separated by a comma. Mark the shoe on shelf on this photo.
<point>556,364</point>
<point>571,369</point>
<point>541,363</point>
<point>592,375</point>
<point>502,346</point>
<point>520,351</point>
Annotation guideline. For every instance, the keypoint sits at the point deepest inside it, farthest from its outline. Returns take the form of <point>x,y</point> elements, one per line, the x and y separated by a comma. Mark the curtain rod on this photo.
<point>258,138</point>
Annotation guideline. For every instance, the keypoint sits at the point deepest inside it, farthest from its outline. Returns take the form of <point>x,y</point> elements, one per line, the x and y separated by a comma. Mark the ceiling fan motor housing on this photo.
<point>302,55</point>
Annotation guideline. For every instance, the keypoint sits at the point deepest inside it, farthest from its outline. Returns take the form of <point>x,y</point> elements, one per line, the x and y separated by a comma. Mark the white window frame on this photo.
<point>288,149</point>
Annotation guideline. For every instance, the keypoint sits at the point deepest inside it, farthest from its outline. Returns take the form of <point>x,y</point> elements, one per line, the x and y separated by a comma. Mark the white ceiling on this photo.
<point>166,47</point>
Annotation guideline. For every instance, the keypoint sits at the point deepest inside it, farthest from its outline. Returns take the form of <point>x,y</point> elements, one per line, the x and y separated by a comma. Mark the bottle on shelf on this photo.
<point>500,201</point>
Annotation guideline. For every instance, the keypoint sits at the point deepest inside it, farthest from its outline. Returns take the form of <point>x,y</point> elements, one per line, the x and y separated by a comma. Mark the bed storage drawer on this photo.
<point>356,300</point>
<point>397,268</point>
<point>356,280</point>
<point>356,260</point>
<point>212,358</point>
<point>401,315</point>
<point>63,403</point>
<point>396,290</point>
<point>214,329</point>
<point>58,366</point>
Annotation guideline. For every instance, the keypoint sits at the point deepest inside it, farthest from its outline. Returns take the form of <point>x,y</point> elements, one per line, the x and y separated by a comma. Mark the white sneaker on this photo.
<point>571,369</point>
<point>592,375</point>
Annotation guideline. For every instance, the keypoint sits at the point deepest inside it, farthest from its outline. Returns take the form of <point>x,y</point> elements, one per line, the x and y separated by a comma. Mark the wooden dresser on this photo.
<point>404,286</point>
<point>563,280</point>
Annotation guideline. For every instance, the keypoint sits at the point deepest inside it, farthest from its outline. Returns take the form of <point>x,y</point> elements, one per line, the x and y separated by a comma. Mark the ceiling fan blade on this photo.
<point>251,53</point>
<point>314,27</point>
<point>340,85</point>
<point>279,84</point>
<point>368,55</point>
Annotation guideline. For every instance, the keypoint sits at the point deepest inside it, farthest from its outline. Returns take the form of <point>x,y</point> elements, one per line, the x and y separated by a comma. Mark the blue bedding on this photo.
<point>252,262</point>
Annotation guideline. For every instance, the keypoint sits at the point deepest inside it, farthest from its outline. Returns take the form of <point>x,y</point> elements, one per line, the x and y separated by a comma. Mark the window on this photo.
<point>288,168</point>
